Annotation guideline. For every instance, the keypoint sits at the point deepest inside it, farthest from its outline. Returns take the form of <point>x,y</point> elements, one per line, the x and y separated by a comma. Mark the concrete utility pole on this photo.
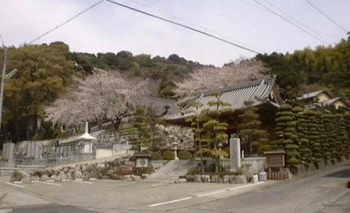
<point>3,79</point>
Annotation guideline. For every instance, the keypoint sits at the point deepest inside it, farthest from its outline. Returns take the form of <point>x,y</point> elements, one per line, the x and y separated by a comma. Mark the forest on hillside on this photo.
<point>47,72</point>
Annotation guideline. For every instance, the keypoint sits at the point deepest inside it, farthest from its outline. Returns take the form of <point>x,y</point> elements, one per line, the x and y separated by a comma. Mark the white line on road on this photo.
<point>225,190</point>
<point>12,184</point>
<point>6,210</point>
<point>53,184</point>
<point>171,201</point>
<point>86,182</point>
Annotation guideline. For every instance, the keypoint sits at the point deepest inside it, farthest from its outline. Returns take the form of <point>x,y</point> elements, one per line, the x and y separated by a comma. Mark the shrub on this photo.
<point>156,156</point>
<point>168,155</point>
<point>184,155</point>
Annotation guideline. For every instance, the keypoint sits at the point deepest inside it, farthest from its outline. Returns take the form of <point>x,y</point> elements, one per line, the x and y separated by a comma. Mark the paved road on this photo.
<point>319,193</point>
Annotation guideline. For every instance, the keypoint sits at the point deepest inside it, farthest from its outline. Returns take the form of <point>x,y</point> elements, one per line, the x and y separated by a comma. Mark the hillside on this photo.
<point>47,71</point>
<point>308,70</point>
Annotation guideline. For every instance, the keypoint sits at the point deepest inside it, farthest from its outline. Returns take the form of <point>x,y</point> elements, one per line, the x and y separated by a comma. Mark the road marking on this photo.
<point>12,184</point>
<point>53,184</point>
<point>86,182</point>
<point>6,210</point>
<point>171,201</point>
<point>18,182</point>
<point>240,187</point>
<point>78,179</point>
<point>225,190</point>
<point>34,181</point>
<point>211,193</point>
<point>92,179</point>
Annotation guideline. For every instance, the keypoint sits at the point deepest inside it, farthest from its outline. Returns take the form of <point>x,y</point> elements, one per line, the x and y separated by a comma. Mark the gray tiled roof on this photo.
<point>311,94</point>
<point>257,92</point>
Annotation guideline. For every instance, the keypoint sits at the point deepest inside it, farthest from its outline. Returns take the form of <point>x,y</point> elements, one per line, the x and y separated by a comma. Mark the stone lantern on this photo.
<point>174,144</point>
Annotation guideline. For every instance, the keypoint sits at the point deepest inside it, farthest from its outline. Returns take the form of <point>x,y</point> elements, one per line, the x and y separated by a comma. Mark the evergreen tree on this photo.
<point>304,150</point>
<point>286,132</point>
<point>215,128</point>
<point>312,121</point>
<point>249,129</point>
<point>141,129</point>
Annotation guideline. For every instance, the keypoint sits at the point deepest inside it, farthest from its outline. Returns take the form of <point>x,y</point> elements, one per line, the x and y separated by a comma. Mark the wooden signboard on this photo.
<point>275,159</point>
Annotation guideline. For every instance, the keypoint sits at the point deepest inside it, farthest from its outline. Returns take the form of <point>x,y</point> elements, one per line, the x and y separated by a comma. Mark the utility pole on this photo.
<point>2,84</point>
<point>4,77</point>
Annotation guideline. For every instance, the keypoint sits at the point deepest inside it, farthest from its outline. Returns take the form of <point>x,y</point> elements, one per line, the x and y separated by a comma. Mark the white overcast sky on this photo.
<point>110,28</point>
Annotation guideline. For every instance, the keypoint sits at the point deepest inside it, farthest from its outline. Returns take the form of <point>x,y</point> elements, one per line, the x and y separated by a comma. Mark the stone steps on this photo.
<point>171,171</point>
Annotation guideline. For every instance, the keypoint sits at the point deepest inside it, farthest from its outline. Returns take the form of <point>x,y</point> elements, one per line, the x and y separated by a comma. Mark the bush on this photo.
<point>168,155</point>
<point>184,155</point>
<point>156,156</point>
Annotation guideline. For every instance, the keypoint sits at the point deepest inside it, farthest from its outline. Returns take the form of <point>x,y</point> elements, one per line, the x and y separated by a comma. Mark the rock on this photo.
<point>25,179</point>
<point>241,179</point>
<point>105,177</point>
<point>180,180</point>
<point>220,180</point>
<point>65,170</point>
<point>44,177</point>
<point>135,178</point>
<point>206,178</point>
<point>35,178</point>
<point>94,173</point>
<point>232,179</point>
<point>116,177</point>
<point>77,174</point>
<point>214,179</point>
<point>255,179</point>
<point>247,170</point>
<point>16,176</point>
<point>62,176</point>
<point>198,178</point>
<point>190,178</point>
<point>225,178</point>
<point>144,176</point>
<point>54,177</point>
<point>84,168</point>
<point>70,176</point>
<point>86,176</point>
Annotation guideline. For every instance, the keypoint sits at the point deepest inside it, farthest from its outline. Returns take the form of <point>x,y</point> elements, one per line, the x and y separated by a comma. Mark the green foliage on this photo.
<point>156,156</point>
<point>286,134</point>
<point>184,155</point>
<point>168,155</point>
<point>249,129</point>
<point>141,129</point>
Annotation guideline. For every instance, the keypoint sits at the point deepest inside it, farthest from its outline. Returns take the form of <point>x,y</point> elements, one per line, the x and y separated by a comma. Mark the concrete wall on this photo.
<point>258,163</point>
<point>104,153</point>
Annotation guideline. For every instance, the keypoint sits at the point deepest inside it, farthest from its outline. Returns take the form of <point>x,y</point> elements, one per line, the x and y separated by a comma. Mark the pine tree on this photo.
<point>304,150</point>
<point>286,133</point>
<point>141,129</point>
<point>249,129</point>
<point>215,129</point>
<point>313,120</point>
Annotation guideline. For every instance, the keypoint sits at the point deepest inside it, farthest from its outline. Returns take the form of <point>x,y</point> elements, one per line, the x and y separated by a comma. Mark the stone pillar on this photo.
<point>7,152</point>
<point>235,153</point>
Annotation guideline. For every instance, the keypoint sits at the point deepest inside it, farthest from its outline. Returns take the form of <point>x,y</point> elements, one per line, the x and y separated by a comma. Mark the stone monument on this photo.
<point>175,150</point>
<point>235,153</point>
<point>7,153</point>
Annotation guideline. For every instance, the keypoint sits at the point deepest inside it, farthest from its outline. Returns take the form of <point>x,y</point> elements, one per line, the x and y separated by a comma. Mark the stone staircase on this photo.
<point>171,171</point>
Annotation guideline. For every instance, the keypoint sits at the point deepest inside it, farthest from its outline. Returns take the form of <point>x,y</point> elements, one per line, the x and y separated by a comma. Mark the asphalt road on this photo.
<point>319,193</point>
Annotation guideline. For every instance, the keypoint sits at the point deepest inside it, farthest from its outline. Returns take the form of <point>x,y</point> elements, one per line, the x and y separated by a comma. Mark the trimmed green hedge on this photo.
<point>184,155</point>
<point>168,155</point>
<point>156,156</point>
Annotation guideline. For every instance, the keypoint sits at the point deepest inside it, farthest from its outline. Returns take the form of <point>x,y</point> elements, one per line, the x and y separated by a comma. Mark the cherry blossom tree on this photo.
<point>100,97</point>
<point>207,79</point>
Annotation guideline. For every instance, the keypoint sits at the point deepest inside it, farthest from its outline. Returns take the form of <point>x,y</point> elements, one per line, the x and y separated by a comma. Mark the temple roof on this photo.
<point>257,91</point>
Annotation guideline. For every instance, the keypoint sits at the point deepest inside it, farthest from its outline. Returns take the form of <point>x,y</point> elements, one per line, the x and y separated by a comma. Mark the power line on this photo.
<point>66,22</point>
<point>182,25</point>
<point>275,13</point>
<point>300,23</point>
<point>325,15</point>
<point>194,24</point>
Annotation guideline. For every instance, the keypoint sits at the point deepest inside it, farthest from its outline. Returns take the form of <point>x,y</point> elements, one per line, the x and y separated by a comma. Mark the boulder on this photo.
<point>247,170</point>
<point>54,177</point>
<point>214,179</point>
<point>44,177</point>
<point>240,179</point>
<point>198,178</point>
<point>62,176</point>
<point>232,179</point>
<point>77,174</point>
<point>206,178</point>
<point>255,179</point>
<point>35,178</point>
<point>190,178</point>
<point>16,176</point>
<point>105,177</point>
<point>25,179</point>
<point>94,173</point>
<point>225,178</point>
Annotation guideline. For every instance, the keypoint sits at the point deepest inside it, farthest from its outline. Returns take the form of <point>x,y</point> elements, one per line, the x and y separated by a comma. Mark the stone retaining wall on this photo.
<point>301,170</point>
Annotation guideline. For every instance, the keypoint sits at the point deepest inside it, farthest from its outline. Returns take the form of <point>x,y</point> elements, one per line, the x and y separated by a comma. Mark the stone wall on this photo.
<point>171,133</point>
